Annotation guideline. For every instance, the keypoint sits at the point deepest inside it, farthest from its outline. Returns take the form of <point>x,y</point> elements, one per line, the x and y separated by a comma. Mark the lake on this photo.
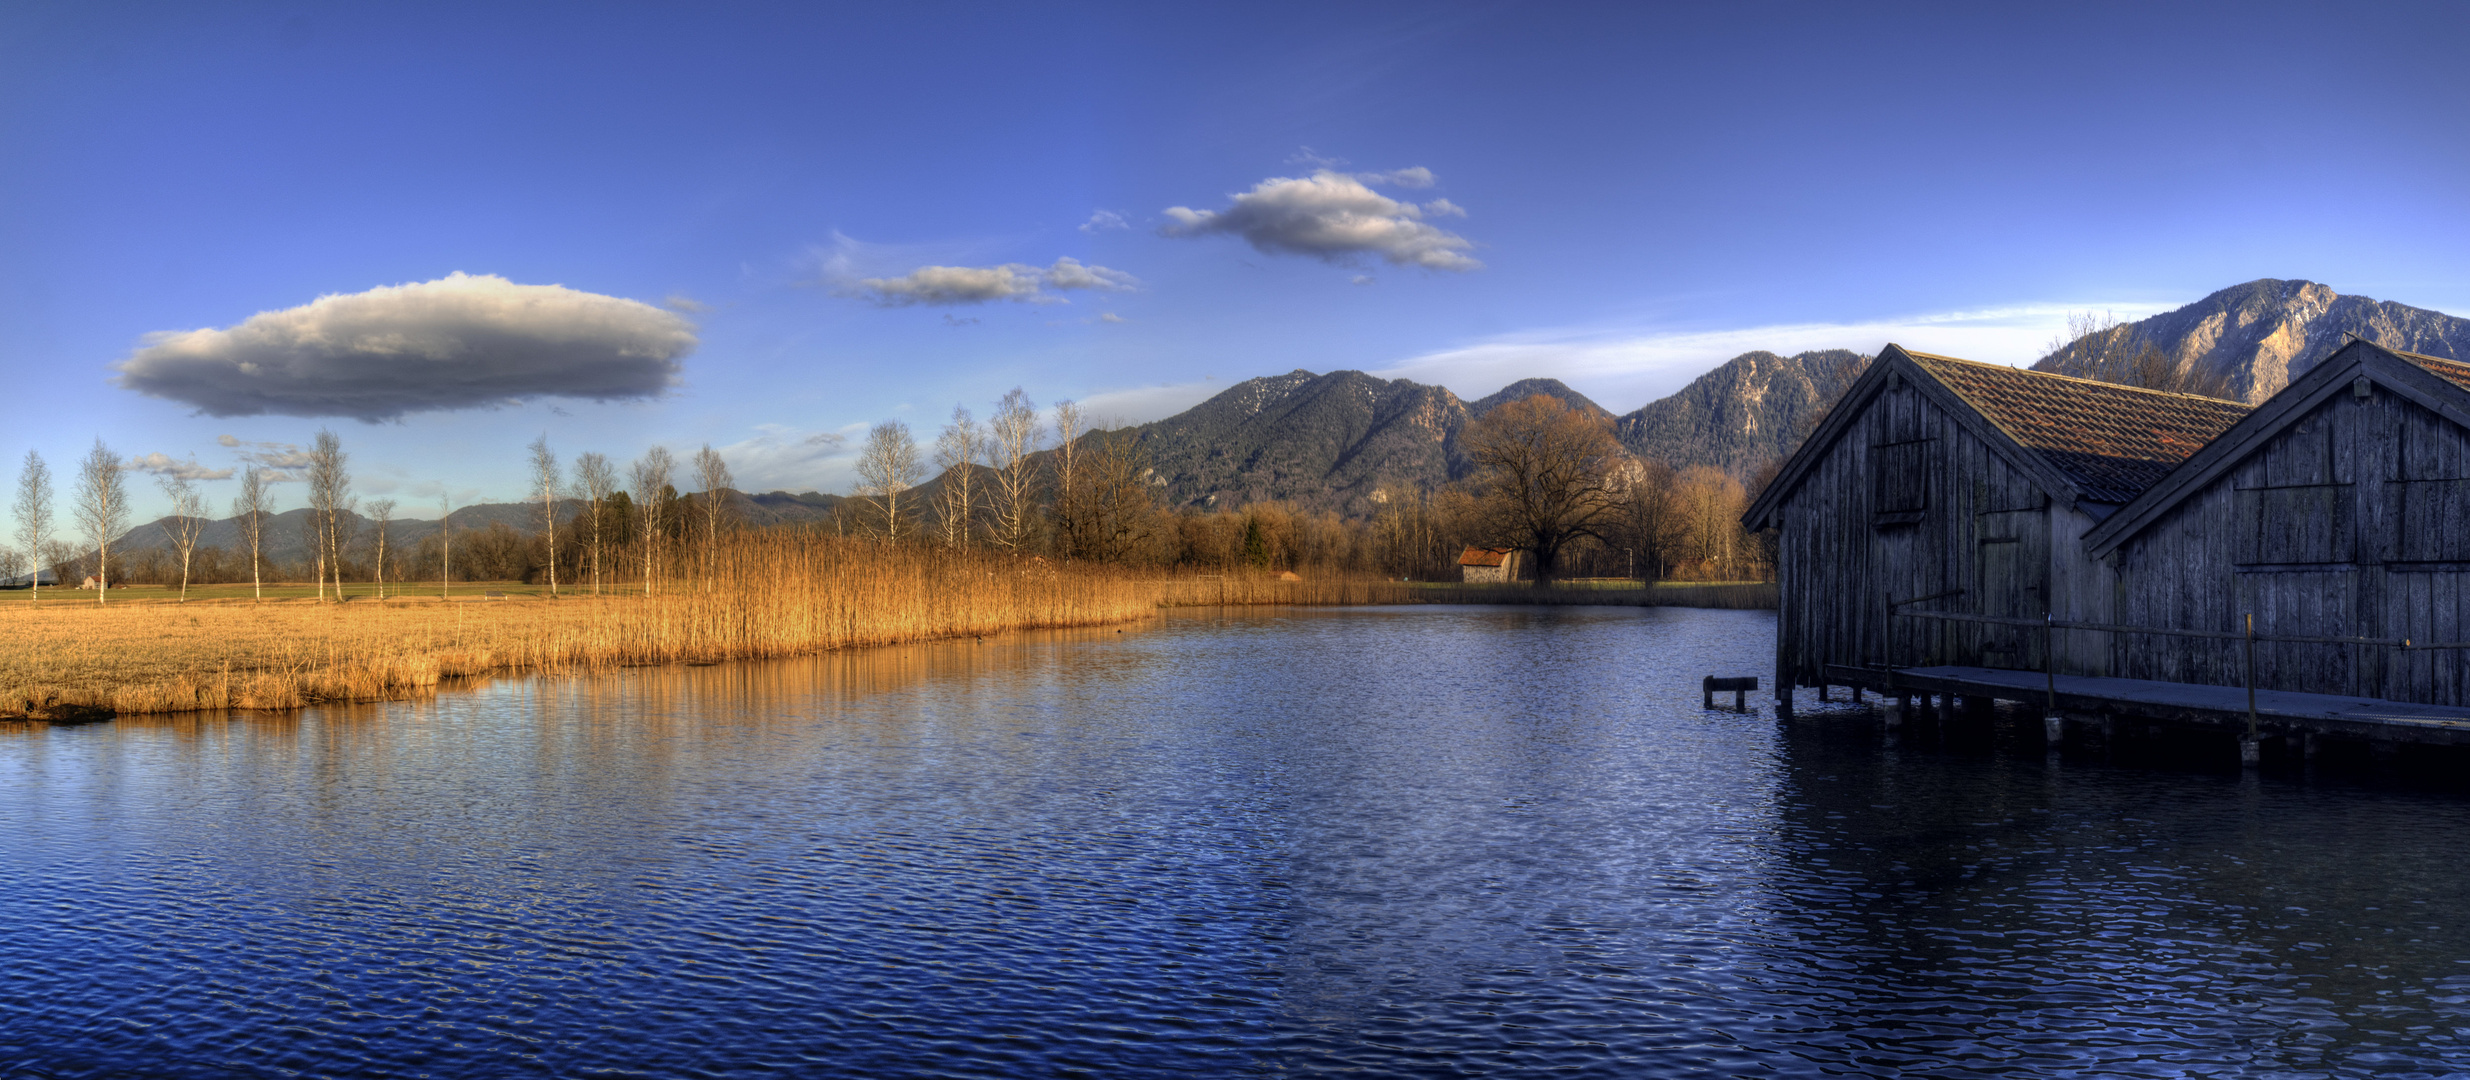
<point>1414,841</point>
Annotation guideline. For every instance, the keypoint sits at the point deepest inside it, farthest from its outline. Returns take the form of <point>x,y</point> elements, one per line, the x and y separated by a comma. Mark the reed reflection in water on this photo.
<point>1417,841</point>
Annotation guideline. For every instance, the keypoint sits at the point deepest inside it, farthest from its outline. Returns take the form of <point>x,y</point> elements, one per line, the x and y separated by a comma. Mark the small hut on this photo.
<point>1494,564</point>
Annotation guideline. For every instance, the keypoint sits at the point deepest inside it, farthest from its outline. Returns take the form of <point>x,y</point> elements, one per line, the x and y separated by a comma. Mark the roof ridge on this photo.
<point>2081,379</point>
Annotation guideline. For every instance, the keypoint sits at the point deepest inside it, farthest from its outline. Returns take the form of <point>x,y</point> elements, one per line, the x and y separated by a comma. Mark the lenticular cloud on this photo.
<point>457,342</point>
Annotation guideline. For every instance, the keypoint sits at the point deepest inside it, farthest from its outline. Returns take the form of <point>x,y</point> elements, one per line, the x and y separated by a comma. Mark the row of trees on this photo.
<point>1548,479</point>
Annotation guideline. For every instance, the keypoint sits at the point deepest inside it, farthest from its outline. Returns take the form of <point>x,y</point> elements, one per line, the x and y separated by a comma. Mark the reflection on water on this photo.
<point>1393,841</point>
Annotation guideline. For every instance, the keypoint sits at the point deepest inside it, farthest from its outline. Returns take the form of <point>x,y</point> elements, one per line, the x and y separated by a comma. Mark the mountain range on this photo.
<point>1334,441</point>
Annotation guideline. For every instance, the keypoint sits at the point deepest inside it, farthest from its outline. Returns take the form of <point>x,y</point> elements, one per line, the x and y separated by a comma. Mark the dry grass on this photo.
<point>768,594</point>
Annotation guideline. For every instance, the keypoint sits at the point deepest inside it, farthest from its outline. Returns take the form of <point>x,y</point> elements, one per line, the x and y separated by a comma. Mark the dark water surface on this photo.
<point>1385,842</point>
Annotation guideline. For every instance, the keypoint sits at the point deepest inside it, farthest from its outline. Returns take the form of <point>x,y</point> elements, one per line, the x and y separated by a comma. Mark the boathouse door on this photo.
<point>2011,580</point>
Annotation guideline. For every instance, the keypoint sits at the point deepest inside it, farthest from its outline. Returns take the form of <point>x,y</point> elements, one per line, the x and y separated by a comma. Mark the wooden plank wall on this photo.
<point>1839,562</point>
<point>2353,522</point>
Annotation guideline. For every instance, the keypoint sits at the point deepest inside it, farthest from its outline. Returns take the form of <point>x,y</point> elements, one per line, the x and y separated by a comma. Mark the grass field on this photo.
<point>766,595</point>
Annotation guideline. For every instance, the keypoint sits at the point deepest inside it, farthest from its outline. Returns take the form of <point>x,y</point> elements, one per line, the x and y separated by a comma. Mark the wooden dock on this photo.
<point>2222,708</point>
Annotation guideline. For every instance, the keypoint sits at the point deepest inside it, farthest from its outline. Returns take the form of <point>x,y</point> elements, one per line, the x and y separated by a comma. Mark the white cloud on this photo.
<point>1623,369</point>
<point>685,303</point>
<point>282,461</point>
<point>1417,177</point>
<point>162,464</point>
<point>1109,317</point>
<point>1332,216</point>
<point>457,342</point>
<point>781,457</point>
<point>957,285</point>
<point>1365,279</point>
<point>1104,221</point>
<point>1142,404</point>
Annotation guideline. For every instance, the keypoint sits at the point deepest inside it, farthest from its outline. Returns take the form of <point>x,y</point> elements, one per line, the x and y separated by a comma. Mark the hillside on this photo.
<point>2266,332</point>
<point>1750,410</point>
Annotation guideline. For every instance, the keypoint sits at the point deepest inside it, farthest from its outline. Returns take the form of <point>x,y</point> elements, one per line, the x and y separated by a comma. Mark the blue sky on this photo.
<point>734,203</point>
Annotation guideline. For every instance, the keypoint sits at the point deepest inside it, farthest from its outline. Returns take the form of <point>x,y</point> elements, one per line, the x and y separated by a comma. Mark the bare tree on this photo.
<point>1547,476</point>
<point>958,451</point>
<point>13,562</point>
<point>1012,436</point>
<point>713,474</point>
<point>1069,518</point>
<point>1706,508</point>
<point>381,512</point>
<point>445,548</point>
<point>102,508</point>
<point>887,468</point>
<point>650,477</point>
<point>330,497</point>
<point>187,522</point>
<point>249,511</point>
<point>595,479</point>
<point>34,515</point>
<point>2101,347</point>
<point>547,488</point>
<point>1114,492</point>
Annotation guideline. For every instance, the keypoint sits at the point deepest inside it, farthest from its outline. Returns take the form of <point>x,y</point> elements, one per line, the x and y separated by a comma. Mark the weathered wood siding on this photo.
<point>1909,504</point>
<point>2354,521</point>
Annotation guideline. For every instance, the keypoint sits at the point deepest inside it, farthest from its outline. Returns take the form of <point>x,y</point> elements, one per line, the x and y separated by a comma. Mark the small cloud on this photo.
<point>1109,316</point>
<point>162,464</point>
<point>1316,162</point>
<point>1331,216</point>
<point>970,321</point>
<point>282,461</point>
<point>1018,282</point>
<point>685,303</point>
<point>1444,208</point>
<point>461,341</point>
<point>1365,279</point>
<point>1417,177</point>
<point>1104,221</point>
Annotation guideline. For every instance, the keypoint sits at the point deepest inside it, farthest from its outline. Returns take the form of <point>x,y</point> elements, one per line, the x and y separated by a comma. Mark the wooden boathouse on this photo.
<point>2300,568</point>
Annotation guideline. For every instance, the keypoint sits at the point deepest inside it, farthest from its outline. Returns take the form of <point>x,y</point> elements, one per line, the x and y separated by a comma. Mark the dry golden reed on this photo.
<point>762,594</point>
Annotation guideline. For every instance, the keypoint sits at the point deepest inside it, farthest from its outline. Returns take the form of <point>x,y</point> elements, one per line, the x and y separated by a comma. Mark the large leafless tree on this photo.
<point>1070,517</point>
<point>959,450</point>
<point>381,514</point>
<point>712,475</point>
<point>330,499</point>
<point>1547,476</point>
<point>650,480</point>
<point>547,486</point>
<point>1012,436</point>
<point>34,509</point>
<point>186,523</point>
<point>595,479</point>
<point>250,508</point>
<point>888,467</point>
<point>102,508</point>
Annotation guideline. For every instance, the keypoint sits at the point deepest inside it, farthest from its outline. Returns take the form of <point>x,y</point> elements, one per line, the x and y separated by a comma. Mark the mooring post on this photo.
<point>2250,751</point>
<point>2053,729</point>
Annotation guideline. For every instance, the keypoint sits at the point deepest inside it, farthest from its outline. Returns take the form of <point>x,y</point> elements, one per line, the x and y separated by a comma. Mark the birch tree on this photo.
<point>381,513</point>
<point>546,488</point>
<point>1069,517</point>
<point>594,480</point>
<point>712,474</point>
<point>249,511</point>
<point>1012,436</point>
<point>187,521</point>
<point>330,497</point>
<point>957,452</point>
<point>445,548</point>
<point>102,509</point>
<point>650,478</point>
<point>34,506</point>
<point>888,467</point>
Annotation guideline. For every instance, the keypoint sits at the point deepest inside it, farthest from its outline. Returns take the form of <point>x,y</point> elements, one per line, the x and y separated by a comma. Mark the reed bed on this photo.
<point>761,594</point>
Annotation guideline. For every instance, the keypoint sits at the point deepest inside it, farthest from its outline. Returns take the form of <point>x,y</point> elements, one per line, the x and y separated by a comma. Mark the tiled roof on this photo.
<point>1476,556</point>
<point>2452,371</point>
<point>2110,441</point>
